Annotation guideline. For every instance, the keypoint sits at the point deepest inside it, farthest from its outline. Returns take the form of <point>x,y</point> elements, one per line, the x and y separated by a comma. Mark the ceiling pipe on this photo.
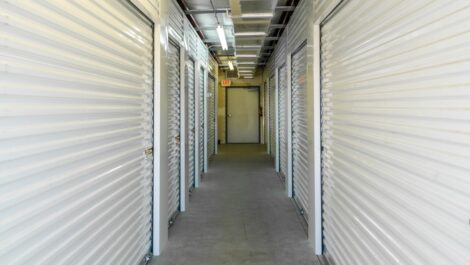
<point>195,25</point>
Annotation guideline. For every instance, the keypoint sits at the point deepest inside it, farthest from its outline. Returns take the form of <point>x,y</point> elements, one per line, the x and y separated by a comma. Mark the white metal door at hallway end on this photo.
<point>395,132</point>
<point>174,130</point>
<point>76,111</point>
<point>243,121</point>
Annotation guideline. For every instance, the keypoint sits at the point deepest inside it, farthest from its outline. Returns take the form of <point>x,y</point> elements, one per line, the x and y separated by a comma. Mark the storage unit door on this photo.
<point>174,130</point>
<point>396,127</point>
<point>191,121</point>
<point>201,120</point>
<point>272,116</point>
<point>299,131</point>
<point>212,117</point>
<point>283,125</point>
<point>76,133</point>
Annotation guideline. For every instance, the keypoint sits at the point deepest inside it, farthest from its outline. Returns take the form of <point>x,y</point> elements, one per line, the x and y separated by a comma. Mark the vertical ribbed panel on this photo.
<point>272,116</point>
<point>174,129</point>
<point>281,51</point>
<point>191,39</point>
<point>396,133</point>
<point>191,90</point>
<point>201,120</point>
<point>175,21</point>
<point>300,174</point>
<point>283,125</point>
<point>211,118</point>
<point>203,53</point>
<point>213,69</point>
<point>298,25</point>
<point>266,113</point>
<point>75,122</point>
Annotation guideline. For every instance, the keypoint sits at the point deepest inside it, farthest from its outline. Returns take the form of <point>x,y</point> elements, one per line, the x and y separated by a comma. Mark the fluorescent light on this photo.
<point>256,15</point>
<point>246,63</point>
<point>222,39</point>
<point>246,67</point>
<point>245,71</point>
<point>250,33</point>
<point>247,55</point>
<point>230,65</point>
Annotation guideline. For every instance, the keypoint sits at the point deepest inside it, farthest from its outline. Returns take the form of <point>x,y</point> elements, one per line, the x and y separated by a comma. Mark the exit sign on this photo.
<point>226,82</point>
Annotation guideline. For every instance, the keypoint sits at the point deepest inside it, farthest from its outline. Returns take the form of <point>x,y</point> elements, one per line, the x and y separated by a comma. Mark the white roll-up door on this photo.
<point>283,124</point>
<point>211,118</point>
<point>201,120</point>
<point>191,121</point>
<point>76,95</point>
<point>299,131</point>
<point>174,130</point>
<point>272,116</point>
<point>396,133</point>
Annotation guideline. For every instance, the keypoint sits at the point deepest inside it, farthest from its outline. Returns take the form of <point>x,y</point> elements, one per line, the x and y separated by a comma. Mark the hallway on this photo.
<point>239,215</point>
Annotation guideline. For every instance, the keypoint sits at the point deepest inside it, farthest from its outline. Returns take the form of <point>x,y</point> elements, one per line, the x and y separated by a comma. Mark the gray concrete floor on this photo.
<point>239,215</point>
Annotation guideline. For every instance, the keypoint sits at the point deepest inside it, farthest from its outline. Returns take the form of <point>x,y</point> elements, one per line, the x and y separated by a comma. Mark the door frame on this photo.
<point>226,108</point>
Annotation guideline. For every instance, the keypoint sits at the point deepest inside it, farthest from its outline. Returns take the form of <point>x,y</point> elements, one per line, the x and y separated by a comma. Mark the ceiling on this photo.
<point>252,28</point>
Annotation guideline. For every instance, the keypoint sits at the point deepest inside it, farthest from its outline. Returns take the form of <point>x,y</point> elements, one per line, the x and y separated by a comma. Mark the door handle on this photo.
<point>229,115</point>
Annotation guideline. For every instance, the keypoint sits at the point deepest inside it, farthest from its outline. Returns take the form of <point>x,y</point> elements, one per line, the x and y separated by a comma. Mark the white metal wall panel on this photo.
<point>211,118</point>
<point>266,113</point>
<point>395,103</point>
<point>298,25</point>
<point>272,116</point>
<point>174,129</point>
<point>76,120</point>
<point>300,176</point>
<point>281,50</point>
<point>191,39</point>
<point>175,21</point>
<point>283,124</point>
<point>191,90</point>
<point>201,120</point>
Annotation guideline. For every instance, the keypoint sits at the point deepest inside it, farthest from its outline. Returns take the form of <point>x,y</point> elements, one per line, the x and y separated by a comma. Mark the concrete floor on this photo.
<point>239,215</point>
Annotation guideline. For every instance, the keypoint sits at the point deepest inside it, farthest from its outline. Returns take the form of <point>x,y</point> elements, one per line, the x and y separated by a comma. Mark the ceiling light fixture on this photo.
<point>250,34</point>
<point>246,67</point>
<point>222,39</point>
<point>246,63</point>
<point>230,65</point>
<point>256,15</point>
<point>247,55</point>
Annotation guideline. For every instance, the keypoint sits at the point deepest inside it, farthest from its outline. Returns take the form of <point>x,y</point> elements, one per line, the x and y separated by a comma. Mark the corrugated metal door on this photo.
<point>283,125</point>
<point>174,130</point>
<point>272,116</point>
<point>76,133</point>
<point>299,131</point>
<point>212,117</point>
<point>395,104</point>
<point>191,121</point>
<point>201,120</point>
